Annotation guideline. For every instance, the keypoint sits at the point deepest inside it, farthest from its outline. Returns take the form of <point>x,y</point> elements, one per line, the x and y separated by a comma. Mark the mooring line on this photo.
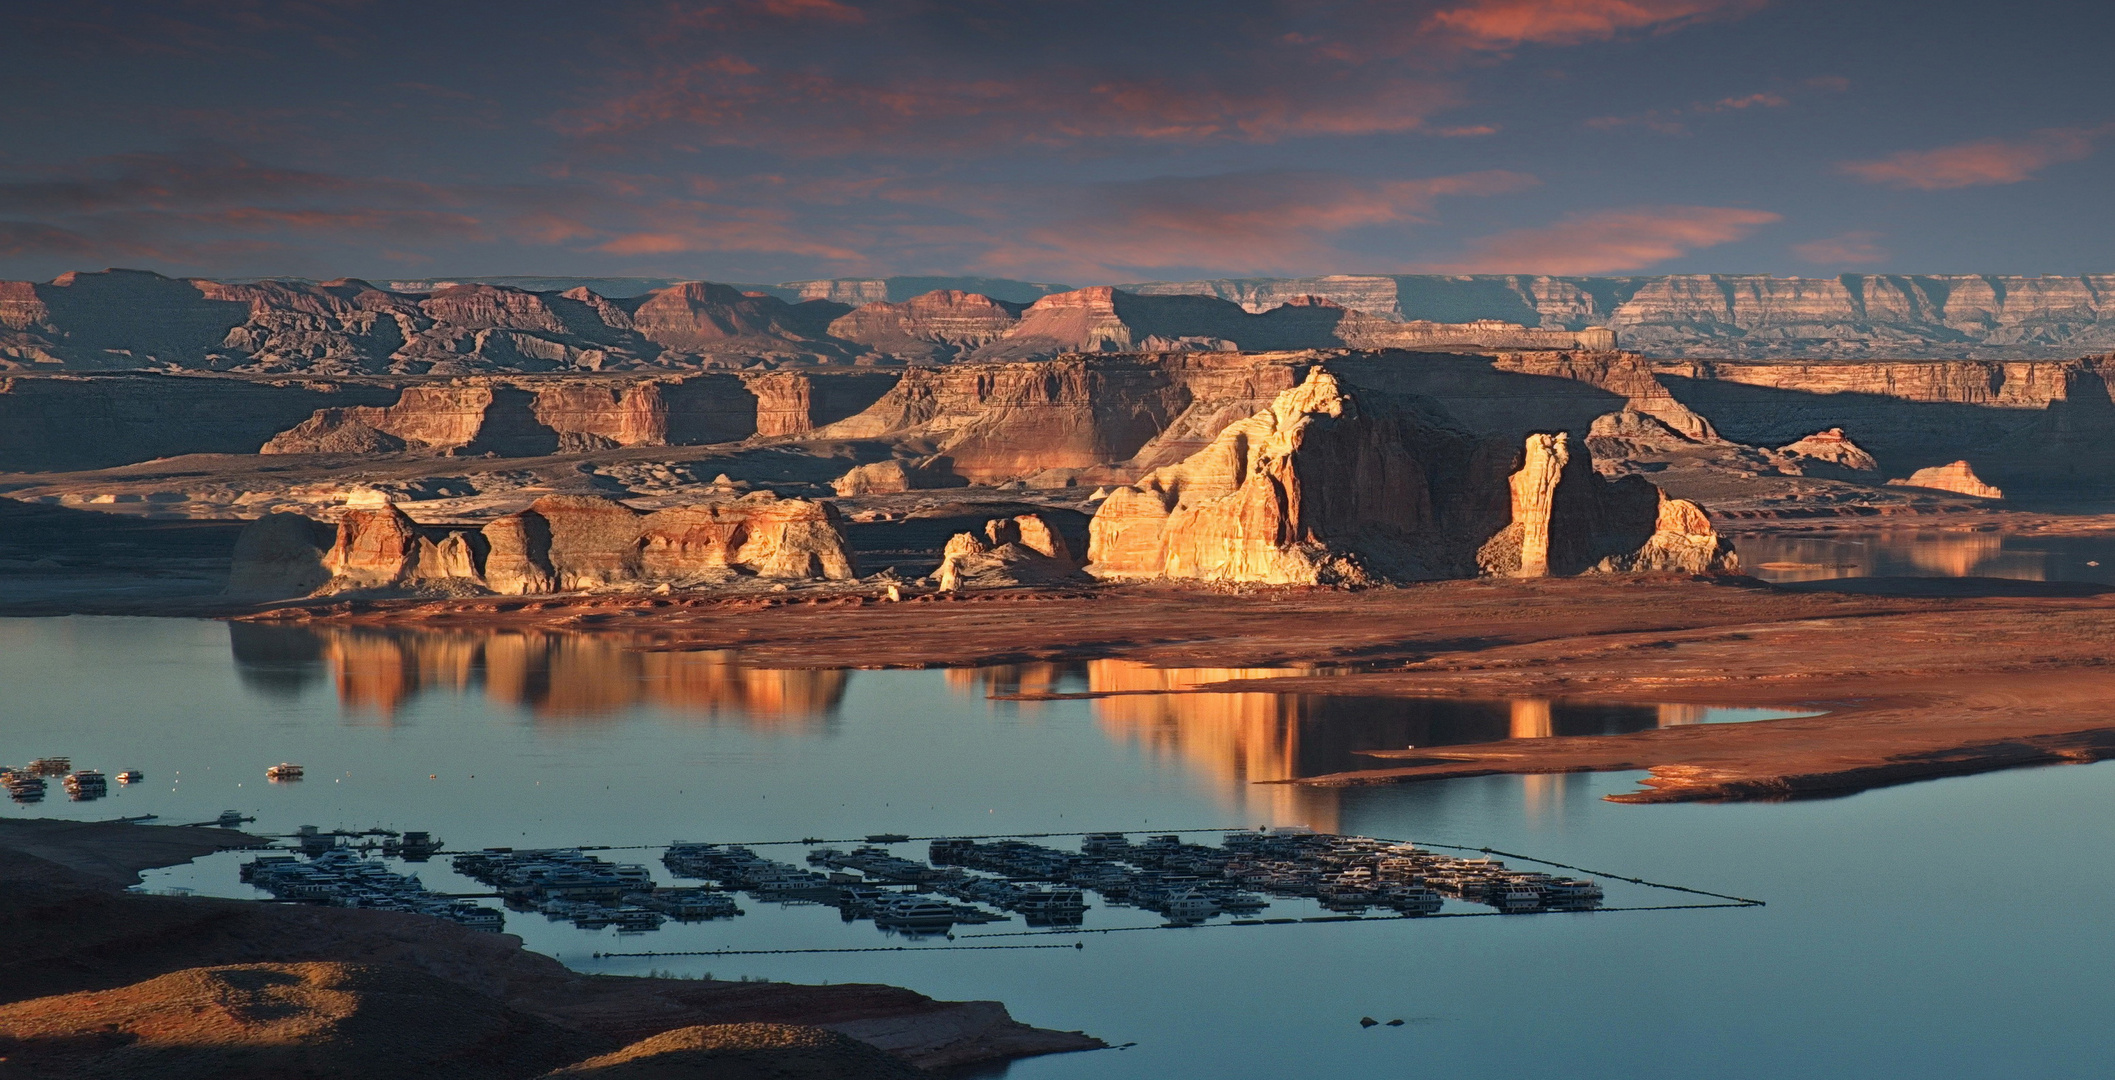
<point>867,839</point>
<point>1350,919</point>
<point>876,948</point>
<point>1739,901</point>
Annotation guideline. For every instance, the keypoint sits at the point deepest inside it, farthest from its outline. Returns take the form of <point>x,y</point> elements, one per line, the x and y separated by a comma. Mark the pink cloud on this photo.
<point>1981,163</point>
<point>1238,223</point>
<point>1505,24</point>
<point>1845,249</point>
<point>1610,241</point>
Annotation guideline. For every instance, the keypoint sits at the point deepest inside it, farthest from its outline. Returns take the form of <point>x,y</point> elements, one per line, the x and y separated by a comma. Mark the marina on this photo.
<point>964,882</point>
<point>551,772</point>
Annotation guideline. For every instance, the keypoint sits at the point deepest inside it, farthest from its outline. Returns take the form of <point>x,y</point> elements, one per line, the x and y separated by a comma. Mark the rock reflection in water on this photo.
<point>555,676</point>
<point>1237,740</point>
<point>1926,553</point>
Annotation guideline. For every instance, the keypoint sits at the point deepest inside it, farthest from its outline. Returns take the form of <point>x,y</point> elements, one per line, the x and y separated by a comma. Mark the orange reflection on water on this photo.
<point>563,676</point>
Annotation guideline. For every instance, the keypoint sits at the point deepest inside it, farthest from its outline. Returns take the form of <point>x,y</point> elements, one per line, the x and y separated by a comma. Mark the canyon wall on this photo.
<point>133,320</point>
<point>1735,315</point>
<point>1077,413</point>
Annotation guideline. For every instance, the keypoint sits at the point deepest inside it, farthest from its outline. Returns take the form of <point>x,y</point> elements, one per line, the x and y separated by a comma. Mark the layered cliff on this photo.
<point>1109,320</point>
<point>518,418</point>
<point>1075,413</point>
<point>934,328</point>
<point>560,543</point>
<point>129,319</point>
<point>1334,484</point>
<point>1735,315</point>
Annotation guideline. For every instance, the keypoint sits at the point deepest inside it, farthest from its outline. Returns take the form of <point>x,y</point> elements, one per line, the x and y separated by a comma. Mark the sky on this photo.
<point>1067,141</point>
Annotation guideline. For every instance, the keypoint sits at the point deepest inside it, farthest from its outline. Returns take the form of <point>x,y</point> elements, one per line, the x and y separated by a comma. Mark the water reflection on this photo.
<point>1231,743</point>
<point>1238,739</point>
<point>550,675</point>
<point>1927,553</point>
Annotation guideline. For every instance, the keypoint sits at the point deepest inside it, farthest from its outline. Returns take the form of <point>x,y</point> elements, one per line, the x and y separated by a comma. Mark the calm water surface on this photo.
<point>1956,928</point>
<point>1925,553</point>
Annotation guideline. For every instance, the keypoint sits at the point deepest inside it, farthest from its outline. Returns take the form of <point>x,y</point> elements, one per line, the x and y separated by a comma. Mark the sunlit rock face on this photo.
<point>1832,447</point>
<point>560,543</point>
<point>1325,486</point>
<point>1337,485</point>
<point>1958,477</point>
<point>1022,550</point>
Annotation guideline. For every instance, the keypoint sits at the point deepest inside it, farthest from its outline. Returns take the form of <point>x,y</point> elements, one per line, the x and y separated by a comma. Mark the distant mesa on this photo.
<point>1957,477</point>
<point>135,320</point>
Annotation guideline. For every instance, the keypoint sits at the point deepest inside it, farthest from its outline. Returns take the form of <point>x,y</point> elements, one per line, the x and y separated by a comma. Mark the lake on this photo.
<point>1928,553</point>
<point>1953,928</point>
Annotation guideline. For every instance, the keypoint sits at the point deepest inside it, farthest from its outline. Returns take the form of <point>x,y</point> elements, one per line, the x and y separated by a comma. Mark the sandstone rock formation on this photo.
<point>1567,519</point>
<point>760,534</point>
<point>1833,447</point>
<point>280,555</point>
<point>560,543</point>
<point>1022,550</point>
<point>1340,485</point>
<point>898,475</point>
<point>1736,315</point>
<point>933,328</point>
<point>1322,487</point>
<point>1957,477</point>
<point>525,418</point>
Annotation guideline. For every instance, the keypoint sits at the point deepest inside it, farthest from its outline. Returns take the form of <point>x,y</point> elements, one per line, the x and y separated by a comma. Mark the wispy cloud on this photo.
<point>1608,241</point>
<point>1980,163</point>
<point>1279,222</point>
<point>1506,24</point>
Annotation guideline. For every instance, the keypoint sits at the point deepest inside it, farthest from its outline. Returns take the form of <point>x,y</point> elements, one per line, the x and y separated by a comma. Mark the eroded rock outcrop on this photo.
<point>1334,484</point>
<point>560,543</point>
<point>1322,487</point>
<point>1567,519</point>
<point>898,475</point>
<point>1022,550</point>
<point>1834,448</point>
<point>1958,477</point>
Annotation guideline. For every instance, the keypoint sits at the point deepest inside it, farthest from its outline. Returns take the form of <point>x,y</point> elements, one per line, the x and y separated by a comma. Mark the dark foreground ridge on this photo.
<point>98,982</point>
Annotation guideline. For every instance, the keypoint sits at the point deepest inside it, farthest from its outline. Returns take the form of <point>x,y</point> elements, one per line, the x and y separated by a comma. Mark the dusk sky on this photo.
<point>1076,142</point>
